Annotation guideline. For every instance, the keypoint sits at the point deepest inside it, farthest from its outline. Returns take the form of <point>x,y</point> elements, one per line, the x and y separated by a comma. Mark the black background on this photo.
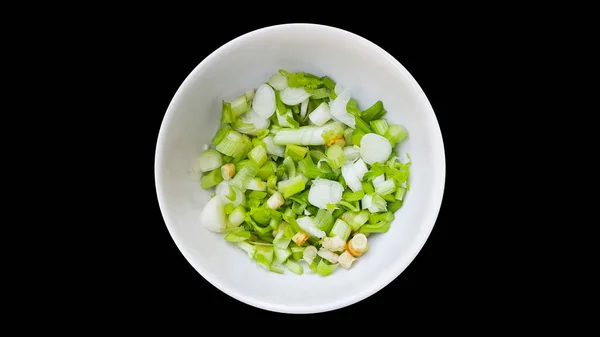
<point>149,276</point>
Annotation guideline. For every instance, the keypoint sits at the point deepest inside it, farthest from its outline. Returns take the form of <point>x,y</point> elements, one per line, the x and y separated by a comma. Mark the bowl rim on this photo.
<point>373,287</point>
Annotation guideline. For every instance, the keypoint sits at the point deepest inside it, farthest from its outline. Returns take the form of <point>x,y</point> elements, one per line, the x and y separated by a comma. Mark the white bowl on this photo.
<point>192,119</point>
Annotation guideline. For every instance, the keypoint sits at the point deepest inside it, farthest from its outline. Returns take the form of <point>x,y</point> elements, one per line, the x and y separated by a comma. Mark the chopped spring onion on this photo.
<point>341,229</point>
<point>338,109</point>
<point>294,267</point>
<point>209,160</point>
<point>278,81</point>
<point>379,126</point>
<point>324,192</point>
<point>351,152</point>
<point>324,220</point>
<point>291,186</point>
<point>320,115</point>
<point>358,245</point>
<point>293,96</point>
<point>309,254</point>
<point>296,152</point>
<point>264,101</point>
<point>272,149</point>
<point>251,123</point>
<point>325,269</point>
<point>328,255</point>
<point>236,218</point>
<point>301,175</point>
<point>375,148</point>
<point>351,178</point>
<point>305,135</point>
<point>307,224</point>
<point>213,215</point>
<point>396,133</point>
<point>303,108</point>
<point>211,179</point>
<point>336,156</point>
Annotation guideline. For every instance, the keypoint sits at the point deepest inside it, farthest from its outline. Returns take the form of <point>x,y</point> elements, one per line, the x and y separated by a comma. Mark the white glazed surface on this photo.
<point>192,119</point>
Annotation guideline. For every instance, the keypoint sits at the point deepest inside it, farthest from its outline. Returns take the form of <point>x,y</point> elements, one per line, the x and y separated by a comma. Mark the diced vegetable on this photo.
<point>301,175</point>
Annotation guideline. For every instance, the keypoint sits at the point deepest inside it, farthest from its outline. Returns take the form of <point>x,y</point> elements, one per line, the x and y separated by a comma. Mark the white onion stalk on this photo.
<point>250,122</point>
<point>213,215</point>
<point>349,174</point>
<point>282,118</point>
<point>360,168</point>
<point>323,192</point>
<point>351,153</point>
<point>307,224</point>
<point>339,111</point>
<point>304,135</point>
<point>222,190</point>
<point>321,114</point>
<point>273,149</point>
<point>293,96</point>
<point>378,180</point>
<point>264,101</point>
<point>278,81</point>
<point>338,89</point>
<point>303,108</point>
<point>375,148</point>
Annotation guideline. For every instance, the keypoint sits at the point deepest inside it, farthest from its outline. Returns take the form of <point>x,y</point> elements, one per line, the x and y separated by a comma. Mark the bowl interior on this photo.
<point>193,118</point>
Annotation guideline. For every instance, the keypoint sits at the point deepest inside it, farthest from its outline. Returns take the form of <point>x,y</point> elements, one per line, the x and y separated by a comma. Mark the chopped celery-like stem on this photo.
<point>325,269</point>
<point>266,170</point>
<point>209,160</point>
<point>320,93</point>
<point>355,207</point>
<point>261,216</point>
<point>355,219</point>
<point>324,220</point>
<point>282,254</point>
<point>350,196</point>
<point>281,241</point>
<point>368,187</point>
<point>257,228</point>
<point>272,181</point>
<point>396,133</point>
<point>229,208</point>
<point>400,193</point>
<point>265,252</point>
<point>291,186</point>
<point>257,185</point>
<point>297,252</point>
<point>248,248</point>
<point>328,83</point>
<point>233,144</point>
<point>369,114</point>
<point>335,155</point>
<point>237,236</point>
<point>238,215</point>
<point>348,136</point>
<point>378,204</point>
<point>211,179</point>
<point>255,194</point>
<point>394,206</point>
<point>258,155</point>
<point>244,176</point>
<point>289,167</point>
<point>277,268</point>
<point>295,152</point>
<point>226,114</point>
<point>386,187</point>
<point>379,126</point>
<point>352,107</point>
<point>361,125</point>
<point>341,229</point>
<point>308,168</point>
<point>357,135</point>
<point>239,106</point>
<point>380,227</point>
<point>294,267</point>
